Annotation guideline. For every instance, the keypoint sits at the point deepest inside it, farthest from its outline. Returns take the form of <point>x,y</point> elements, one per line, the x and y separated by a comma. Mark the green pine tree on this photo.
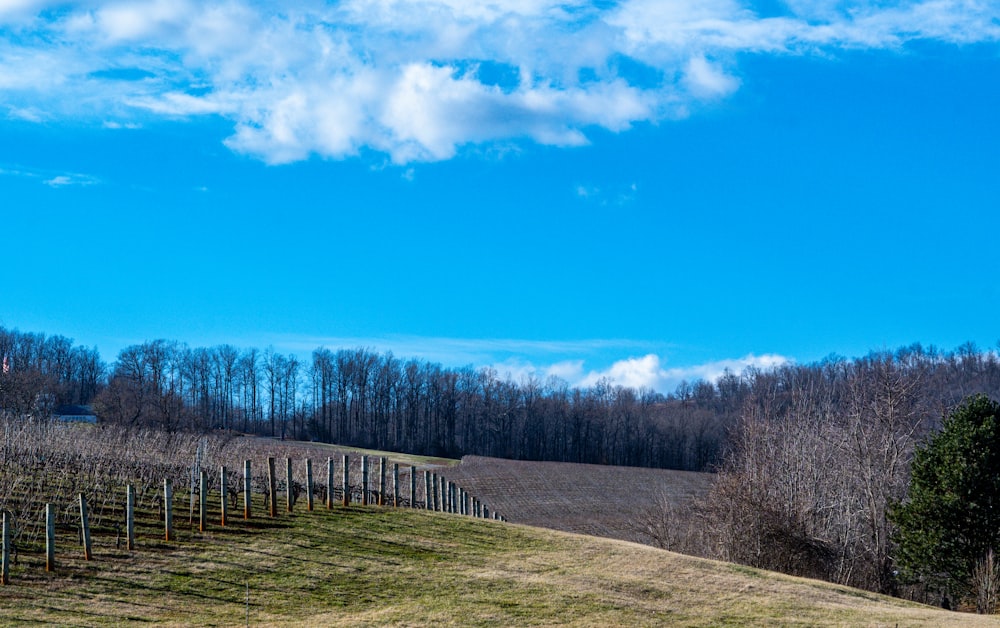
<point>950,520</point>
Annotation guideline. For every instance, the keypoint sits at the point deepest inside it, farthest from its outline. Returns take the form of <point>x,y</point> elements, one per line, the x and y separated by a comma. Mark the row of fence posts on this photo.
<point>440,494</point>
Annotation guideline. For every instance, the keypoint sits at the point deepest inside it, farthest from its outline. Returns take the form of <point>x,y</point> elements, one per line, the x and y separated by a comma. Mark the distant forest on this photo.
<point>362,398</point>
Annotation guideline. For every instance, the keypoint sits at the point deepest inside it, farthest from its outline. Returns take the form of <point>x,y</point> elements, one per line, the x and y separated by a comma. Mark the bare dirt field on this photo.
<point>584,498</point>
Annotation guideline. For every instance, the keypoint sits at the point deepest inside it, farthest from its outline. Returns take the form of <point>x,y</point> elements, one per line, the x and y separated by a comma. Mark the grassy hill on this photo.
<point>372,566</point>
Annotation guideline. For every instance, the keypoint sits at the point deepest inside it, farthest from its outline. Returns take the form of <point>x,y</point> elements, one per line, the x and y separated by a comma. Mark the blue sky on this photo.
<point>643,190</point>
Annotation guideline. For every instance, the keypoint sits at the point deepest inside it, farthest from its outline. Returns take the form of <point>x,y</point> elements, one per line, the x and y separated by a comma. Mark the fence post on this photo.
<point>444,494</point>
<point>247,489</point>
<point>309,484</point>
<point>202,501</point>
<point>222,495</point>
<point>364,480</point>
<point>381,481</point>
<point>168,510</point>
<point>85,528</point>
<point>5,551</point>
<point>347,481</point>
<point>130,517</point>
<point>289,497</point>
<point>413,486</point>
<point>272,488</point>
<point>50,537</point>
<point>428,503</point>
<point>395,485</point>
<point>329,483</point>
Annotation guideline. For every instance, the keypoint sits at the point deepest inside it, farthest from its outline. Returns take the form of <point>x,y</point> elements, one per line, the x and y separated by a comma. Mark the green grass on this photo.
<point>375,566</point>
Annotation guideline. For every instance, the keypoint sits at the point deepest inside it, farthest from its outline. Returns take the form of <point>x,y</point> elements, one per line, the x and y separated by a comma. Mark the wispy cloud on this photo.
<point>462,351</point>
<point>577,363</point>
<point>51,179</point>
<point>64,180</point>
<point>421,80</point>
<point>615,195</point>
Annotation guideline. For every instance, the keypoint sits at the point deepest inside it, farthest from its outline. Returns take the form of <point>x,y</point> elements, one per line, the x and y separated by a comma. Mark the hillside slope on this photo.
<point>372,566</point>
<point>586,498</point>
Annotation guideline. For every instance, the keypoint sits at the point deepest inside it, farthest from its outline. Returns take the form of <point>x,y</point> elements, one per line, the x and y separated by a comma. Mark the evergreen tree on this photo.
<point>950,521</point>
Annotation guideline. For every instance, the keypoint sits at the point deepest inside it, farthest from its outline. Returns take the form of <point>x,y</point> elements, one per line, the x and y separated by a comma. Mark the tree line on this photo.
<point>821,457</point>
<point>40,373</point>
<point>363,398</point>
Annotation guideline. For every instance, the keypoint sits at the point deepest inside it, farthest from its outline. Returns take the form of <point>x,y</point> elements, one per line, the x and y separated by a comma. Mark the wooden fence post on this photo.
<point>309,484</point>
<point>85,528</point>
<point>223,489</point>
<point>413,486</point>
<point>428,503</point>
<point>202,501</point>
<point>381,481</point>
<point>272,488</point>
<point>168,510</point>
<point>130,517</point>
<point>50,537</point>
<point>364,480</point>
<point>444,494</point>
<point>289,496</point>
<point>347,481</point>
<point>486,512</point>
<point>247,489</point>
<point>5,551</point>
<point>395,485</point>
<point>329,483</point>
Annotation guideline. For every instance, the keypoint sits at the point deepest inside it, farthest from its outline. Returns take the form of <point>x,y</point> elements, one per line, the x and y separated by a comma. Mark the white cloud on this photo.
<point>412,78</point>
<point>28,114</point>
<point>49,178</point>
<point>618,196</point>
<point>648,372</point>
<point>58,181</point>
<point>707,80</point>
<point>64,180</point>
<point>519,359</point>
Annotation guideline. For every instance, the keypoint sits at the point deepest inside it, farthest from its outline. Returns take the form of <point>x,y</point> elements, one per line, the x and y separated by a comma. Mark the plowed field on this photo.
<point>585,498</point>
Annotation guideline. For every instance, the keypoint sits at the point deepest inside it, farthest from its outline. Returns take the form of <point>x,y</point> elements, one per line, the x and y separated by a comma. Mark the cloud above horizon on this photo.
<point>566,360</point>
<point>420,80</point>
<point>645,372</point>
